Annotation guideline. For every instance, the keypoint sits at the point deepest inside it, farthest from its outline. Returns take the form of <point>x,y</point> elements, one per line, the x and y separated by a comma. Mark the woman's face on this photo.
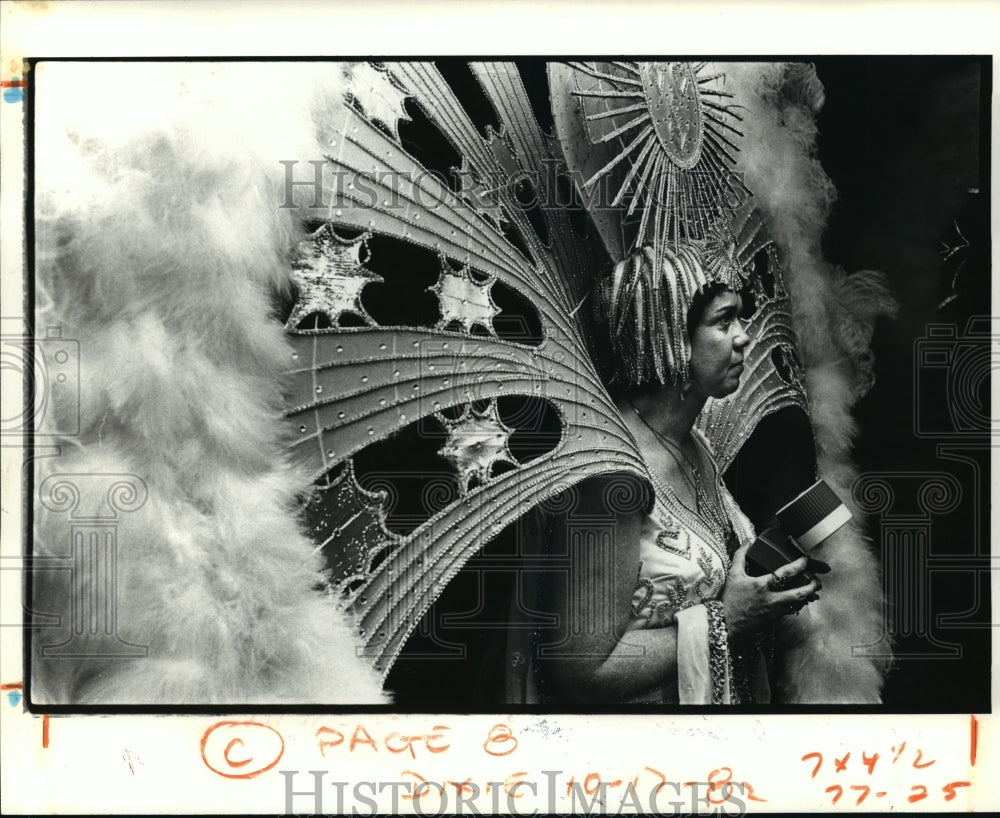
<point>717,347</point>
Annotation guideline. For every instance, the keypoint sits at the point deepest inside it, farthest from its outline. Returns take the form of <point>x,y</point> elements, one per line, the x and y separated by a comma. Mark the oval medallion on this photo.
<point>671,91</point>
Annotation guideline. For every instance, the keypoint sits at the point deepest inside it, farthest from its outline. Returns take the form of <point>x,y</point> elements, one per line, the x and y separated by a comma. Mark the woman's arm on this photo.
<point>596,659</point>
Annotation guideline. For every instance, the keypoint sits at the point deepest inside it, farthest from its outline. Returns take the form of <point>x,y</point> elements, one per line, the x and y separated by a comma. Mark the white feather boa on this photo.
<point>160,242</point>
<point>834,651</point>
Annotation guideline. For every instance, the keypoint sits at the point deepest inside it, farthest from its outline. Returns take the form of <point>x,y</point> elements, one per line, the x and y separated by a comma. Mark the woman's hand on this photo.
<point>751,604</point>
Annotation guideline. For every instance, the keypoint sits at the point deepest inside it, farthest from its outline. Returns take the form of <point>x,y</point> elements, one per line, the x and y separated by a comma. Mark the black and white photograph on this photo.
<point>624,385</point>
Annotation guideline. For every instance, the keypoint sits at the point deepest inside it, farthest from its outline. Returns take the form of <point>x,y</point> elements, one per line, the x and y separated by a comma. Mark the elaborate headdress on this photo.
<point>653,148</point>
<point>651,145</point>
<point>643,304</point>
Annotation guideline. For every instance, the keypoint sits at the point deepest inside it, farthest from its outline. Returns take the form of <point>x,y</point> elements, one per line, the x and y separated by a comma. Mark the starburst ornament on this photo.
<point>350,528</point>
<point>729,241</point>
<point>380,96</point>
<point>477,441</point>
<point>480,196</point>
<point>330,276</point>
<point>464,300</point>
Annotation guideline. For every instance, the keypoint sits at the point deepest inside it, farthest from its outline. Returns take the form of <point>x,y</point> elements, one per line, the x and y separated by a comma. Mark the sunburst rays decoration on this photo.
<point>661,136</point>
<point>670,130</point>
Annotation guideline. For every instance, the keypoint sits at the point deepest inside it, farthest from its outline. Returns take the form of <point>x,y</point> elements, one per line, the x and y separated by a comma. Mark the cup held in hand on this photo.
<point>802,524</point>
<point>773,549</point>
<point>813,516</point>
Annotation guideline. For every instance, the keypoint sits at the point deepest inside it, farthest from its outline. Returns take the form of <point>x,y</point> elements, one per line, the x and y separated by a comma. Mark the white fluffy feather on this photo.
<point>160,243</point>
<point>838,652</point>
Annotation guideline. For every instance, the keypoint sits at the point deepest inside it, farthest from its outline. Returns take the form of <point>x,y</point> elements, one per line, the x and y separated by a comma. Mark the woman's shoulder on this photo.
<point>611,493</point>
<point>703,441</point>
<point>706,446</point>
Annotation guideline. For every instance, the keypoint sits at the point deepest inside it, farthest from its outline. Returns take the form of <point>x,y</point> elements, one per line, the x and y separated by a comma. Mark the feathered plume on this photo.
<point>161,242</point>
<point>833,315</point>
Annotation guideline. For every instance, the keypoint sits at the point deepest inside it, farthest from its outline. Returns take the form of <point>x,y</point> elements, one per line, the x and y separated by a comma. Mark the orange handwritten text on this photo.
<point>973,739</point>
<point>511,784</point>
<point>241,749</point>
<point>433,741</point>
<point>865,764</point>
<point>868,762</point>
<point>721,786</point>
<point>422,786</point>
<point>499,736</point>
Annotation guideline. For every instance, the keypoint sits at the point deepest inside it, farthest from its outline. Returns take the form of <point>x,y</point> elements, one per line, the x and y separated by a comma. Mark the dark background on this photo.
<point>906,143</point>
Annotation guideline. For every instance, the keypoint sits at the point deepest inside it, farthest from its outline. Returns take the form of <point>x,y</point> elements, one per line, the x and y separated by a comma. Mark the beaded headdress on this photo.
<point>654,145</point>
<point>644,305</point>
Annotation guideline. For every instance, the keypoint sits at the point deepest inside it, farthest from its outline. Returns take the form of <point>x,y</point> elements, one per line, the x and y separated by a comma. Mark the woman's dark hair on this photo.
<point>705,296</point>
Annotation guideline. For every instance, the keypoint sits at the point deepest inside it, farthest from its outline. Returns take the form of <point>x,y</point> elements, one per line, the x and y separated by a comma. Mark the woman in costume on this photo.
<point>685,618</point>
<point>649,147</point>
<point>378,369</point>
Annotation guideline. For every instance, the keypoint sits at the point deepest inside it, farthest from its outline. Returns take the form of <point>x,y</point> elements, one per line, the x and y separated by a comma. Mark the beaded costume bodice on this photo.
<point>683,562</point>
